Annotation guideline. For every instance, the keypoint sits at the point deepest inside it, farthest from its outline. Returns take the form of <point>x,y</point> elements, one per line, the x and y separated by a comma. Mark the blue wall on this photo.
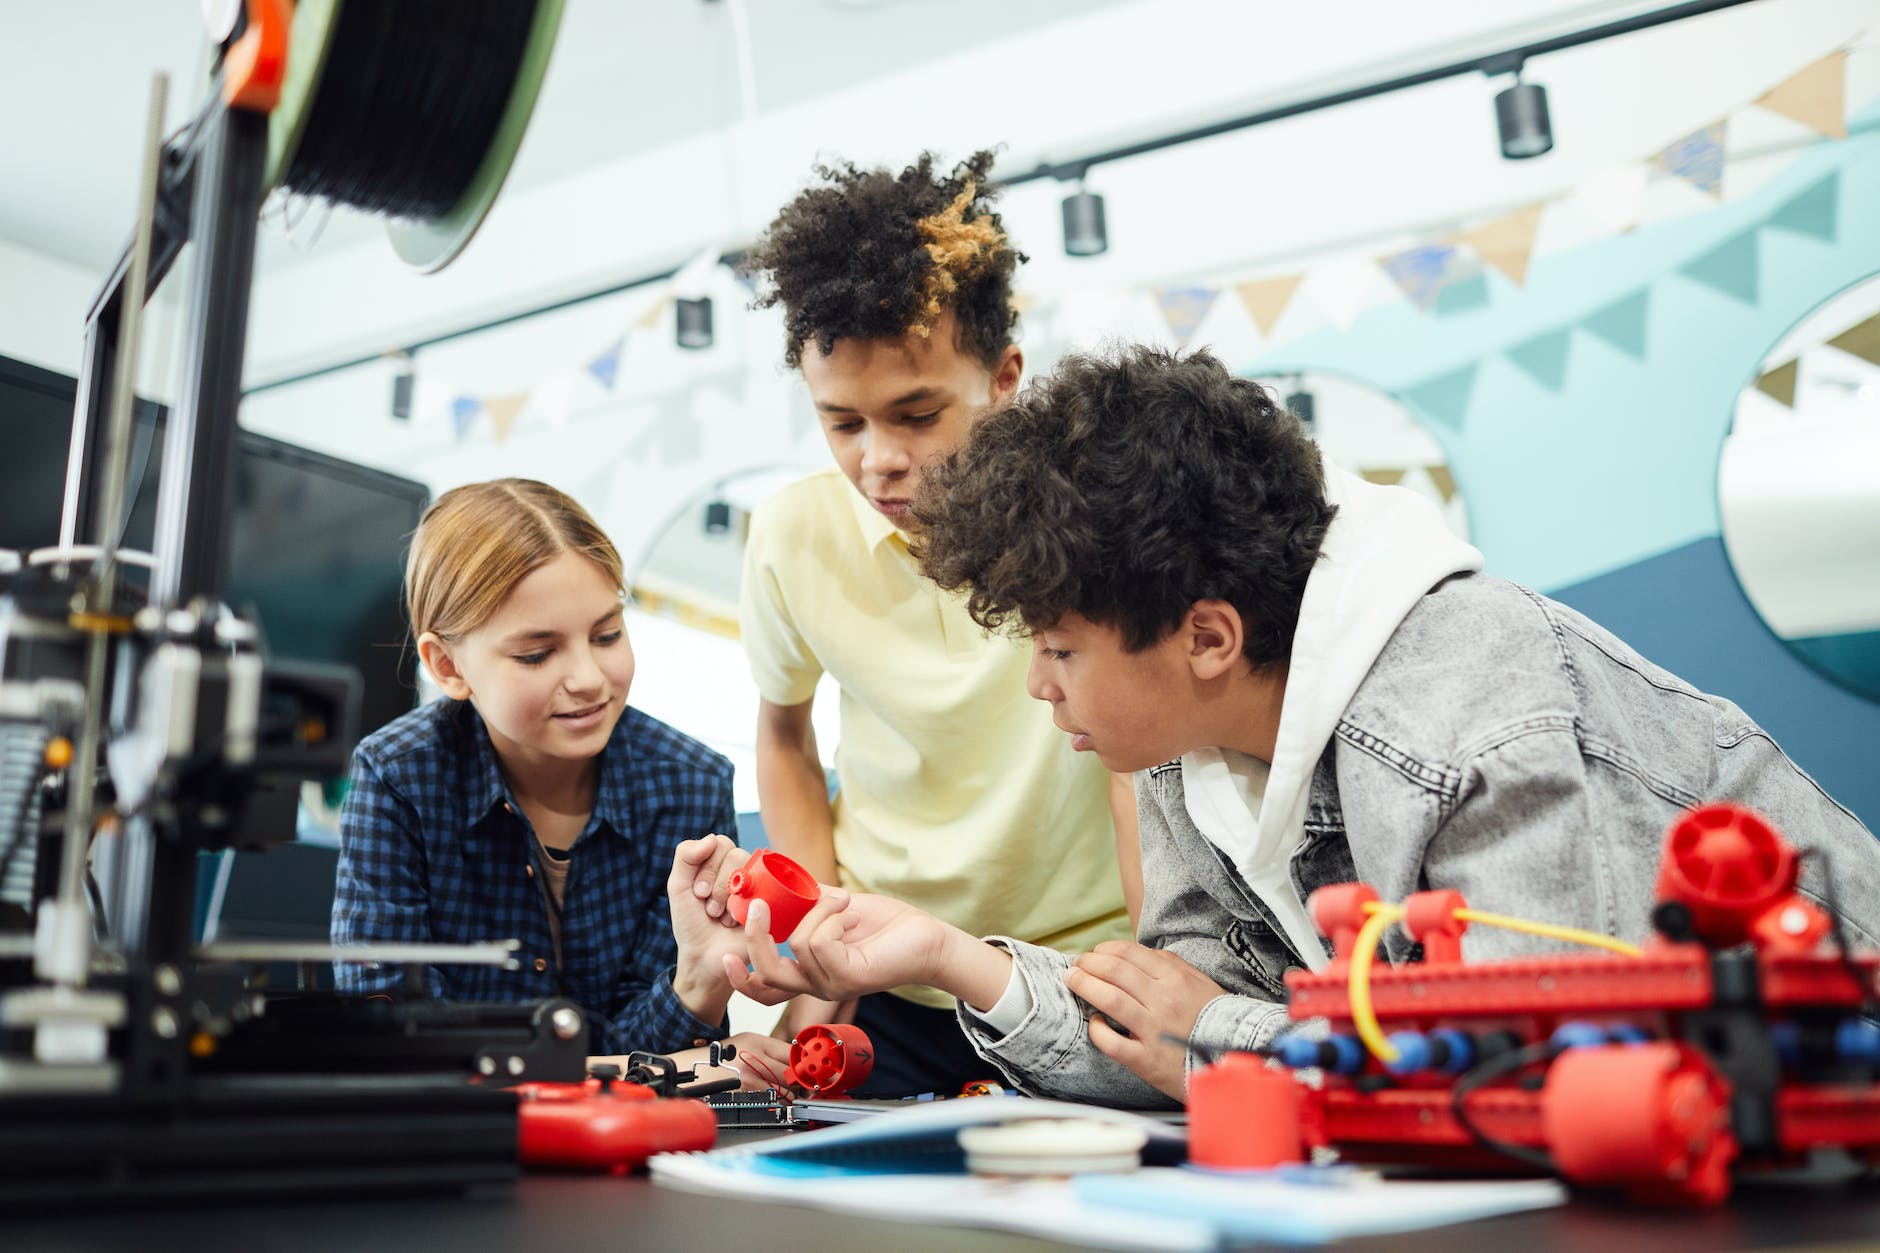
<point>1584,413</point>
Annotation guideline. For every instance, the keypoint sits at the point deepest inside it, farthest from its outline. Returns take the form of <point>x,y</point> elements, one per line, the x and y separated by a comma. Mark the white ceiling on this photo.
<point>640,154</point>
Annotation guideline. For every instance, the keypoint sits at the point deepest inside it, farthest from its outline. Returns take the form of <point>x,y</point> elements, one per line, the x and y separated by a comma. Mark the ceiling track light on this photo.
<point>1521,117</point>
<point>1085,233</point>
<point>693,321</point>
<point>404,385</point>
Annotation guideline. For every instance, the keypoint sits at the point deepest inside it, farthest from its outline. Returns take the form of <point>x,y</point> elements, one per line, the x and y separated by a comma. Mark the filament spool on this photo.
<point>410,109</point>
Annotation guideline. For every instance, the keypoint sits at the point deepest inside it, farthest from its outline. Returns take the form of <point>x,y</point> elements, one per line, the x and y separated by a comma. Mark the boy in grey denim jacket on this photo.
<point>1314,684</point>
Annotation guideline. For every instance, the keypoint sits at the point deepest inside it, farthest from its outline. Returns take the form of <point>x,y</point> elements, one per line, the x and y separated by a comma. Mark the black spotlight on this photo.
<point>1302,405</point>
<point>404,384</point>
<point>1084,232</point>
<point>1521,113</point>
<point>695,322</point>
<point>717,517</point>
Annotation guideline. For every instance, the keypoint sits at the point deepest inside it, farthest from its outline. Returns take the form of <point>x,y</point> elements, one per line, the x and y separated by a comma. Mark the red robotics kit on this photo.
<point>1739,1038</point>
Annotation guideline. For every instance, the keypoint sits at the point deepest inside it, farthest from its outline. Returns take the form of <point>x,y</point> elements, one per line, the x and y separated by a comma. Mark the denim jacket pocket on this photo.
<point>1264,954</point>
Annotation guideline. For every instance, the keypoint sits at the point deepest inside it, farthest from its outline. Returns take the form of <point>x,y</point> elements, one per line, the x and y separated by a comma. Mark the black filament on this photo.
<point>410,98</point>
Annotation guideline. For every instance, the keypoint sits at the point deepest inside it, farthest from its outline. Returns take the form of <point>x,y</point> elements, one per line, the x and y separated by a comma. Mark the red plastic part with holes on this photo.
<point>1338,912</point>
<point>1243,1115</point>
<point>780,883</point>
<point>1726,865</point>
<point>829,1060</point>
<point>1430,919</point>
<point>574,1128</point>
<point>1666,1140</point>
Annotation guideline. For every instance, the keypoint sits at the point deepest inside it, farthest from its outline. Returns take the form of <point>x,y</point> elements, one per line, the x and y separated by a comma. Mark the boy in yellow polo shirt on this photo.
<point>956,792</point>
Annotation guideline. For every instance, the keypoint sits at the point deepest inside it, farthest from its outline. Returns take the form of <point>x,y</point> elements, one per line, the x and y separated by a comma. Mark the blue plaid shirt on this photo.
<point>434,849</point>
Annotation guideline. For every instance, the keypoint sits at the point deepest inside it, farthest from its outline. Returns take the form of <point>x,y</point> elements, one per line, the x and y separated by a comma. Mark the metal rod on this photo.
<point>99,598</point>
<point>488,953</point>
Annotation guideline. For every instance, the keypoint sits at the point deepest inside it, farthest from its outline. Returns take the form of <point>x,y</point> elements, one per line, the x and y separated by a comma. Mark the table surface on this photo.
<point>587,1212</point>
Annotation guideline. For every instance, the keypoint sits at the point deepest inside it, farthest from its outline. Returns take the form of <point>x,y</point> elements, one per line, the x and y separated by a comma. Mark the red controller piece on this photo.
<point>780,883</point>
<point>829,1060</point>
<point>606,1127</point>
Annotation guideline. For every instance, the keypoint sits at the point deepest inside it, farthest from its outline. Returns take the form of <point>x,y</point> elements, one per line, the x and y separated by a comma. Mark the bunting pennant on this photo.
<point>1697,158</point>
<point>1507,242</point>
<point>1446,397</point>
<point>1732,267</point>
<point>1384,478</point>
<point>1183,308</point>
<point>1814,211</point>
<point>1022,303</point>
<point>1622,323</point>
<point>1267,298</point>
<point>503,412</point>
<point>606,367</point>
<point>1422,272</point>
<point>1779,384</point>
<point>1543,358</point>
<point>1862,340</point>
<point>463,412</point>
<point>1444,480</point>
<point>1815,95</point>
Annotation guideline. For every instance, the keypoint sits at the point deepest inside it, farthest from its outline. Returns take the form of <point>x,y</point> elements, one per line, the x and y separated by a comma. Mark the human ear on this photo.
<point>1005,378</point>
<point>1217,638</point>
<point>436,655</point>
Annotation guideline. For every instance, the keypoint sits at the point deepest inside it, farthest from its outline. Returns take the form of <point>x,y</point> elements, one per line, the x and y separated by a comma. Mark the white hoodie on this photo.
<point>1384,549</point>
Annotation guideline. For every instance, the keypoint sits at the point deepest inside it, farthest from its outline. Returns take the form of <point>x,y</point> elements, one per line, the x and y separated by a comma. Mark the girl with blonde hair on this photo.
<point>530,800</point>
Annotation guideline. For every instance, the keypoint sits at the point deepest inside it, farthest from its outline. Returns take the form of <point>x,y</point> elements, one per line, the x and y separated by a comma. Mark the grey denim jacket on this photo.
<point>1502,745</point>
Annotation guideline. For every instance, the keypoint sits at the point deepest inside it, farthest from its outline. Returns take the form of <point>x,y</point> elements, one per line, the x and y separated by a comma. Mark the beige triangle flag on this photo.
<point>1779,384</point>
<point>1387,478</point>
<point>1444,480</point>
<point>1267,298</point>
<point>1814,96</point>
<point>1022,303</point>
<point>503,411</point>
<point>1507,242</point>
<point>1862,340</point>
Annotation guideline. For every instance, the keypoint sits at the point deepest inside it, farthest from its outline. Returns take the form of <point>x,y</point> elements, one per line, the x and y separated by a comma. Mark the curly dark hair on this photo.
<point>1124,488</point>
<point>869,254</point>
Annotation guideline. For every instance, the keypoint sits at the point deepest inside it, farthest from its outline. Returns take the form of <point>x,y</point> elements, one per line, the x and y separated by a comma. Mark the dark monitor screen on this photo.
<point>316,547</point>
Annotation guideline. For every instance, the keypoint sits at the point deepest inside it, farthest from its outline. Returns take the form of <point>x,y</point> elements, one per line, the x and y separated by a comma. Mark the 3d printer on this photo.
<point>135,1063</point>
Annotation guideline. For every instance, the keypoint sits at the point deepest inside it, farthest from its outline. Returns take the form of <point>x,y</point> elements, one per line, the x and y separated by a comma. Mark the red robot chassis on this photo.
<point>1734,1040</point>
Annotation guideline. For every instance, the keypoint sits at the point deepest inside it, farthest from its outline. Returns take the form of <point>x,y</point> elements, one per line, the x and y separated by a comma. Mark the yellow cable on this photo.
<point>1572,935</point>
<point>1381,915</point>
<point>1363,1017</point>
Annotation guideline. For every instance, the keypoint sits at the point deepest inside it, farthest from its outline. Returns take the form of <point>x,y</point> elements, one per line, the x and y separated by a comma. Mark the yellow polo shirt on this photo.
<point>958,795</point>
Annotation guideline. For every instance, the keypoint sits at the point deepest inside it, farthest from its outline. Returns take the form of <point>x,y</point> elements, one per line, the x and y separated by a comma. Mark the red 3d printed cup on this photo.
<point>1243,1115</point>
<point>780,883</point>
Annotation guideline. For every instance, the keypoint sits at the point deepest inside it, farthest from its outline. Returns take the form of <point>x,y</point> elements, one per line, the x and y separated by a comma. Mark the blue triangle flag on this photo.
<point>464,411</point>
<point>1621,324</point>
<point>1814,212</point>
<point>606,367</point>
<point>1731,267</point>
<point>1184,307</point>
<point>1446,397</point>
